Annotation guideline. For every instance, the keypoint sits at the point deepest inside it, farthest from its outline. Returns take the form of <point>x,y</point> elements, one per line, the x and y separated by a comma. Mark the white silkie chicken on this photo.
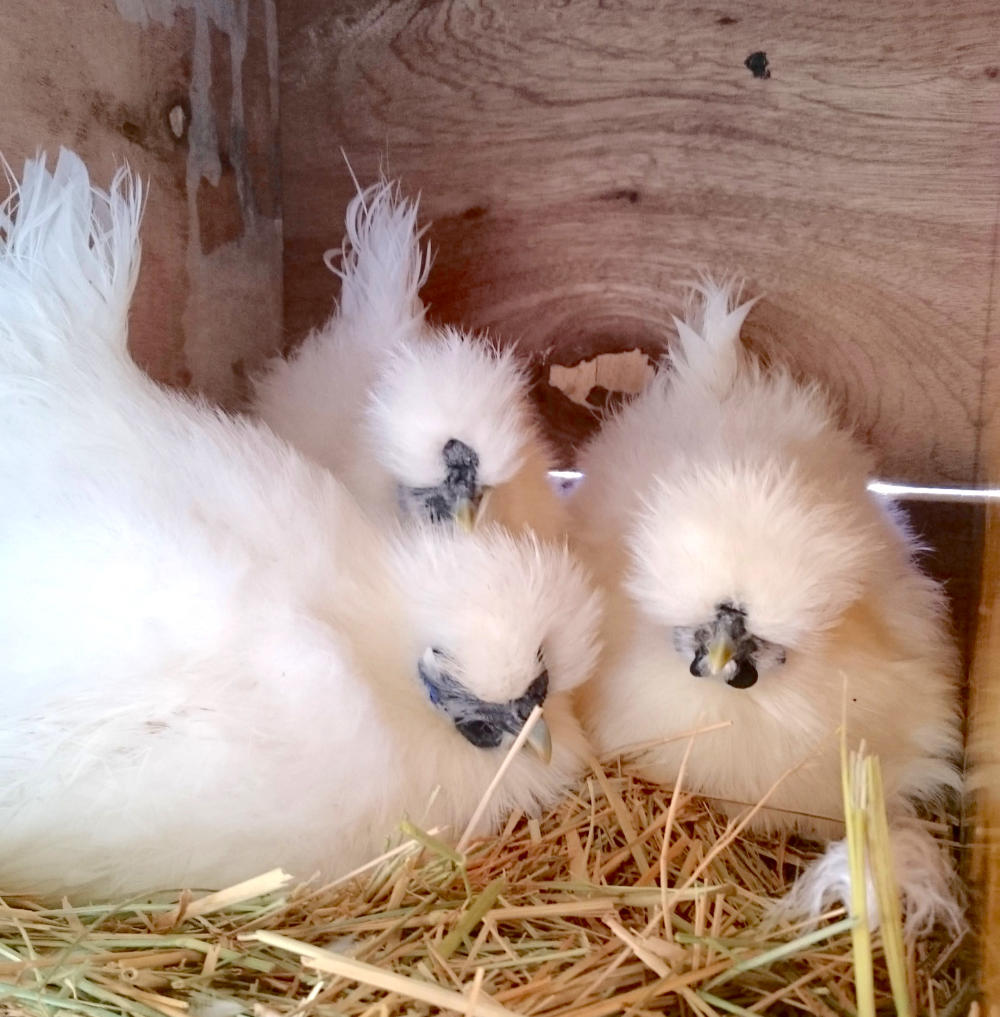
<point>757,581</point>
<point>416,420</point>
<point>212,663</point>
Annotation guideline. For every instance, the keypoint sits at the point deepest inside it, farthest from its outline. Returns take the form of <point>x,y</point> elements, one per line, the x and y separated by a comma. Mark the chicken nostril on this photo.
<point>744,676</point>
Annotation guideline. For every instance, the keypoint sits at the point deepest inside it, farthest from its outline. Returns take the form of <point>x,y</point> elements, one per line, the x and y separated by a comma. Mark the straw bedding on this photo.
<point>624,900</point>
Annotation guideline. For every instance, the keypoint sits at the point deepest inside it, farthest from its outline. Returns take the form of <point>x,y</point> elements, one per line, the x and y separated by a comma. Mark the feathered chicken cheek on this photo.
<point>482,723</point>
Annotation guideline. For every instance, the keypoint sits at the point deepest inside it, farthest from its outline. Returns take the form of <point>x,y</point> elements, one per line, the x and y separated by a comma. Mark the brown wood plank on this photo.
<point>984,769</point>
<point>103,78</point>
<point>984,679</point>
<point>580,160</point>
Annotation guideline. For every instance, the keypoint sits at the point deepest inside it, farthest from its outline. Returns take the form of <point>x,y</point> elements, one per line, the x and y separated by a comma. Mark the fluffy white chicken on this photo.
<point>212,663</point>
<point>420,421</point>
<point>757,581</point>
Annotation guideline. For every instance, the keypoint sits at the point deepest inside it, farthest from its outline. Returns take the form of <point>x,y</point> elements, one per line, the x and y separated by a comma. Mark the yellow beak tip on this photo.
<point>465,515</point>
<point>719,656</point>
<point>469,511</point>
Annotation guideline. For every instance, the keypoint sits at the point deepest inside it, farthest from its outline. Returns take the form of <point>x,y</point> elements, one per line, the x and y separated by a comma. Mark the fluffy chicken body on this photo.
<point>213,663</point>
<point>417,421</point>
<point>756,581</point>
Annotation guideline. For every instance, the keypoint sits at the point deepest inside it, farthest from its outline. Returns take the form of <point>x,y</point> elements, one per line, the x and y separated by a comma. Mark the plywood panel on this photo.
<point>186,91</point>
<point>580,160</point>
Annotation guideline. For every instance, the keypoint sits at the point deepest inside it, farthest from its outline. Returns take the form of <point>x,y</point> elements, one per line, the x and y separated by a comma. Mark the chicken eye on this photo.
<point>481,733</point>
<point>538,690</point>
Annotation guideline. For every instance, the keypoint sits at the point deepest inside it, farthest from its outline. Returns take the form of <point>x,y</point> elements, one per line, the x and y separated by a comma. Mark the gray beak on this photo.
<point>540,741</point>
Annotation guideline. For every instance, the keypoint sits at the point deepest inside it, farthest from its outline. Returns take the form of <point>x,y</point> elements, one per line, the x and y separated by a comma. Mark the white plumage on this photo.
<point>412,418</point>
<point>729,513</point>
<point>213,664</point>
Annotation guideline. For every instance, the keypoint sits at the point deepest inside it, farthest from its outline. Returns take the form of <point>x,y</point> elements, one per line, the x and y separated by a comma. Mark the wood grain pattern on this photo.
<point>984,680</point>
<point>579,160</point>
<point>984,769</point>
<point>102,79</point>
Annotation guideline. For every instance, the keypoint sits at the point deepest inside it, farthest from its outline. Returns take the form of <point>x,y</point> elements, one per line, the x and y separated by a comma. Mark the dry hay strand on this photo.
<point>623,900</point>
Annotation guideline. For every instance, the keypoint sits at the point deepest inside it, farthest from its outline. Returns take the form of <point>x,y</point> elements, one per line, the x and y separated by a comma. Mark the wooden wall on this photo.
<point>581,159</point>
<point>187,92</point>
<point>984,738</point>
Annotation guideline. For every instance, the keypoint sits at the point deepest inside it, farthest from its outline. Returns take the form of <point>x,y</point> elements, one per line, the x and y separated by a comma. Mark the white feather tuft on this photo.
<point>382,265</point>
<point>493,600</point>
<point>68,253</point>
<point>794,550</point>
<point>450,385</point>
<point>316,399</point>
<point>926,881</point>
<point>708,352</point>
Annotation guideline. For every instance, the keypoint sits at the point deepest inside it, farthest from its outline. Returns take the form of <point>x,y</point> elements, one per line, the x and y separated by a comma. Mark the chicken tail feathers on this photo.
<point>708,353</point>
<point>69,260</point>
<point>382,264</point>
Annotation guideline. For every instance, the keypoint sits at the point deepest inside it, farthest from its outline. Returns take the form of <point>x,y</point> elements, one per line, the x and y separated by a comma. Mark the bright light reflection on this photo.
<point>910,492</point>
<point>914,493</point>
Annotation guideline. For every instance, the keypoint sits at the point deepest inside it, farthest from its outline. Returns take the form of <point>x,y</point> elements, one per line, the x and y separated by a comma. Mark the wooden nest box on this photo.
<point>579,162</point>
